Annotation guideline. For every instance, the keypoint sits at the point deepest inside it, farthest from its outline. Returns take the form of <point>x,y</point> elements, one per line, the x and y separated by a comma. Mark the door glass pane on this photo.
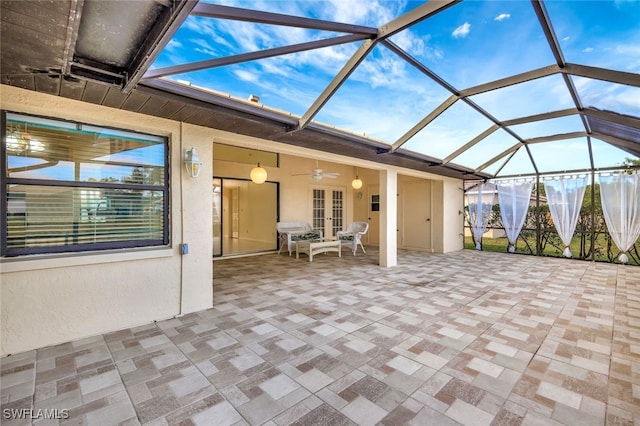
<point>338,212</point>
<point>318,210</point>
<point>217,217</point>
<point>375,203</point>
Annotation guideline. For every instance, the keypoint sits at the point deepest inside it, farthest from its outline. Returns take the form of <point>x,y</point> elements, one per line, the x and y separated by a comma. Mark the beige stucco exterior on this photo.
<point>50,299</point>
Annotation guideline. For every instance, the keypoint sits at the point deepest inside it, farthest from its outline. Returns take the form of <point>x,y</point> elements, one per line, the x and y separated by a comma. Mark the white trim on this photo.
<point>45,261</point>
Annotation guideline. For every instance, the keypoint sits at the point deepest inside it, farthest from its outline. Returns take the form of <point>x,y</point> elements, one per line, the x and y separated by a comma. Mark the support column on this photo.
<point>388,218</point>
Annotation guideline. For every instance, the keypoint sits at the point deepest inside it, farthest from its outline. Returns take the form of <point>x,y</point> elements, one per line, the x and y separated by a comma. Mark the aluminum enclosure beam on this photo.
<point>552,40</point>
<point>625,120</point>
<point>625,145</point>
<point>337,81</point>
<point>612,76</point>
<point>424,122</point>
<point>558,137</point>
<point>416,15</point>
<point>471,143</point>
<point>237,14</point>
<point>541,117</point>
<point>498,157</point>
<point>510,81</point>
<point>251,56</point>
<point>72,34</point>
<point>152,46</point>
<point>418,65</point>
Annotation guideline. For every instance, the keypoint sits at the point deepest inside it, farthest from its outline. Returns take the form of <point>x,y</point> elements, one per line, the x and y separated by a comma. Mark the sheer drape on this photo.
<point>480,201</point>
<point>620,195</point>
<point>514,203</point>
<point>564,196</point>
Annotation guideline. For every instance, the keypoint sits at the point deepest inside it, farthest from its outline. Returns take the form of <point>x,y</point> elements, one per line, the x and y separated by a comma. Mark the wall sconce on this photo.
<point>192,162</point>
<point>356,183</point>
<point>258,174</point>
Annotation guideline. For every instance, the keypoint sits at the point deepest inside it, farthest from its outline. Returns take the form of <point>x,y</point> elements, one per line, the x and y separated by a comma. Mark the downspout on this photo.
<point>181,221</point>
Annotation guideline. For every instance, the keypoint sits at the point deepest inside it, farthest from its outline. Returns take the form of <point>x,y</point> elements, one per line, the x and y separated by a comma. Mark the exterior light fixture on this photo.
<point>356,183</point>
<point>258,174</point>
<point>192,162</point>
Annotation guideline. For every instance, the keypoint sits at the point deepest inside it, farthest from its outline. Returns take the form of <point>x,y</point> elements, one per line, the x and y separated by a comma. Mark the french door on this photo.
<point>327,209</point>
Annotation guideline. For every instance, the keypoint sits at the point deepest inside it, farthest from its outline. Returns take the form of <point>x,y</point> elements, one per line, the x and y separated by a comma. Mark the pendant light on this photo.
<point>356,183</point>
<point>258,174</point>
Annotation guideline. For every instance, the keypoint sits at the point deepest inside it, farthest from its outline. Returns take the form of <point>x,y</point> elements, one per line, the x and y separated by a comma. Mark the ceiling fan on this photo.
<point>318,173</point>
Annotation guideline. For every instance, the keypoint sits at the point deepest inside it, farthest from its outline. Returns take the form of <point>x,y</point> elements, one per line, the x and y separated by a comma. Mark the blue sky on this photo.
<point>468,44</point>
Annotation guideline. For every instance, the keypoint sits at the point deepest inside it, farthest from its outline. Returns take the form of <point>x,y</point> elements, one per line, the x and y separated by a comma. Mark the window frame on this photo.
<point>7,252</point>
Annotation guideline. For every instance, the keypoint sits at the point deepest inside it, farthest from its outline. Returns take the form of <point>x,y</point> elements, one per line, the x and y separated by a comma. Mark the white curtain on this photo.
<point>564,196</point>
<point>514,199</point>
<point>620,195</point>
<point>480,201</point>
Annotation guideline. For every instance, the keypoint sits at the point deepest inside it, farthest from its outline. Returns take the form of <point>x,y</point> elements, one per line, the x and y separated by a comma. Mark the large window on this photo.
<point>74,187</point>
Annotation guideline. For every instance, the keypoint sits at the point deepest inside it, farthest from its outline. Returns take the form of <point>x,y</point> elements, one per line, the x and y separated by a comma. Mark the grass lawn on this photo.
<point>501,245</point>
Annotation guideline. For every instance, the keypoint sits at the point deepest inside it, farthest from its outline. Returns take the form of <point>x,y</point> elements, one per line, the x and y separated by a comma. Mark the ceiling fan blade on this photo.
<point>318,174</point>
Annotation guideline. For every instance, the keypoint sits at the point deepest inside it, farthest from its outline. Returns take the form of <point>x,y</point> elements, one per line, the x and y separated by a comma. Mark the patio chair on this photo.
<point>290,232</point>
<point>352,236</point>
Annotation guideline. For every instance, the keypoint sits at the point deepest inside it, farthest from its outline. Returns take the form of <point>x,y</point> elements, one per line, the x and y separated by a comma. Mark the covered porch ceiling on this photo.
<point>471,90</point>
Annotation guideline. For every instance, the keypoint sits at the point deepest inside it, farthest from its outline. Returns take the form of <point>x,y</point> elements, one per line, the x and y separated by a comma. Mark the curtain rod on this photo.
<point>569,172</point>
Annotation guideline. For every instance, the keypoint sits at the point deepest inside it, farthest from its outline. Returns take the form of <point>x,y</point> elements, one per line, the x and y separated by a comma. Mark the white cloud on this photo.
<point>385,72</point>
<point>629,55</point>
<point>625,101</point>
<point>174,45</point>
<point>615,97</point>
<point>410,42</point>
<point>386,124</point>
<point>246,75</point>
<point>587,50</point>
<point>202,45</point>
<point>462,30</point>
<point>174,53</point>
<point>207,30</point>
<point>502,17</point>
<point>566,38</point>
<point>363,12</point>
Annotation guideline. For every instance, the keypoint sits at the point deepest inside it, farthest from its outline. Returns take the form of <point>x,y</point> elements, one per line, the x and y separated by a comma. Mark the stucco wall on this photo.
<point>50,299</point>
<point>46,300</point>
<point>453,219</point>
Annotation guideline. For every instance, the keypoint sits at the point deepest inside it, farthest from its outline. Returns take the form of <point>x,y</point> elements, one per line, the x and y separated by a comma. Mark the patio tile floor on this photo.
<point>466,338</point>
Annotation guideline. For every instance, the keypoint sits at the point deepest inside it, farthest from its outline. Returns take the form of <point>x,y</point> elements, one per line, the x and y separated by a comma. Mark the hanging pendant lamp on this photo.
<point>258,174</point>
